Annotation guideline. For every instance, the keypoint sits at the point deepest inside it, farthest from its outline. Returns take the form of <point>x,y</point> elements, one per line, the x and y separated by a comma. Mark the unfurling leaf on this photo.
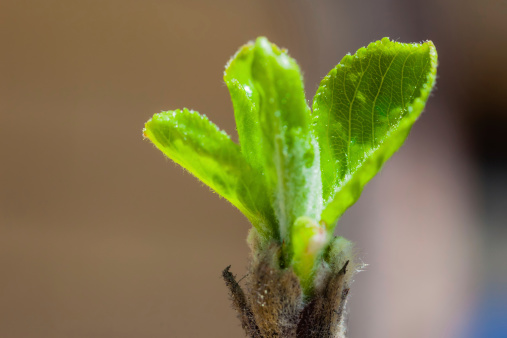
<point>363,111</point>
<point>192,141</point>
<point>308,240</point>
<point>274,128</point>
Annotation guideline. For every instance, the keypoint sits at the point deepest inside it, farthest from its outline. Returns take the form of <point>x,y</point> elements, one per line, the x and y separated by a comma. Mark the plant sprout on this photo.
<point>297,169</point>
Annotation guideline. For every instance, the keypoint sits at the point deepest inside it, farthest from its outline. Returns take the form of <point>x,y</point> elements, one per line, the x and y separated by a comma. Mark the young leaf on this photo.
<point>196,144</point>
<point>245,101</point>
<point>274,128</point>
<point>308,240</point>
<point>363,111</point>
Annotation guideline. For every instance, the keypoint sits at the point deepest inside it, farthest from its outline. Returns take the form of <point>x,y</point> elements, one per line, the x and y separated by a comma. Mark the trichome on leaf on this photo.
<point>296,170</point>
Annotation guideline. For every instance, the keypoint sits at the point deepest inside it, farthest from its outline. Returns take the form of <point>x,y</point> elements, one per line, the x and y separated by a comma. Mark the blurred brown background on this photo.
<point>101,236</point>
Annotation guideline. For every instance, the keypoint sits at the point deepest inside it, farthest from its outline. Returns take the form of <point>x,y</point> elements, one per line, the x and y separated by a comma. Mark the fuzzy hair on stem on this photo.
<point>272,303</point>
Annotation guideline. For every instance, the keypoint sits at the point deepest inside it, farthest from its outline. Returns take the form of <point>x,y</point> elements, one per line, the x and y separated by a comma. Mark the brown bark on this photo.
<point>273,304</point>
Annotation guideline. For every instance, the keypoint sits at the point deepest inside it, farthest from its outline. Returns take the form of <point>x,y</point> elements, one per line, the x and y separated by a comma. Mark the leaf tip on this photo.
<point>241,54</point>
<point>263,43</point>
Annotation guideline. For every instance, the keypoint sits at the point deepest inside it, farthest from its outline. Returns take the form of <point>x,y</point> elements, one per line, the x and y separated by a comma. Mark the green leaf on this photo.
<point>363,111</point>
<point>196,144</point>
<point>245,100</point>
<point>274,128</point>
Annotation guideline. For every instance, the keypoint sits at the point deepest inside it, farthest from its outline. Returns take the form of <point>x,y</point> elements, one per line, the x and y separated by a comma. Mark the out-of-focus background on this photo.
<point>101,236</point>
